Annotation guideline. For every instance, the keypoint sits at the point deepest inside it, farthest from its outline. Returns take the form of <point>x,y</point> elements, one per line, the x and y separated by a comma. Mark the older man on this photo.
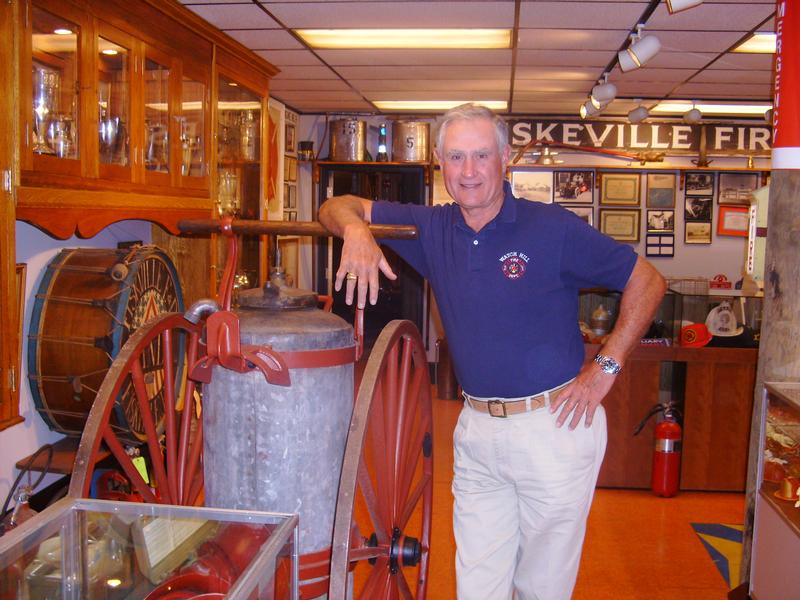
<point>506,274</point>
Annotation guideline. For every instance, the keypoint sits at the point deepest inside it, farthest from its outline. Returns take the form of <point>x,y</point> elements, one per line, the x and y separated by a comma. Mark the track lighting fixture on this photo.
<point>674,6</point>
<point>692,116</point>
<point>588,109</point>
<point>603,93</point>
<point>768,116</point>
<point>640,50</point>
<point>638,114</point>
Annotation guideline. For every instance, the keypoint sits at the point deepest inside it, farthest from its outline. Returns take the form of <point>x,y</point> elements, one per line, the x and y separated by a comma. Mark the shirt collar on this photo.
<point>507,214</point>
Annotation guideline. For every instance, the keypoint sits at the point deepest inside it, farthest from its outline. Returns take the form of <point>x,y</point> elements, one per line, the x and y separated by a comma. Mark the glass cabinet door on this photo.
<point>193,124</point>
<point>54,53</point>
<point>113,103</point>
<point>239,173</point>
<point>156,118</point>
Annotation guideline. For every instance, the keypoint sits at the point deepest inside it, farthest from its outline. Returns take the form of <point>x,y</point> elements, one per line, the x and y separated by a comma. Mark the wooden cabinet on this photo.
<point>110,117</point>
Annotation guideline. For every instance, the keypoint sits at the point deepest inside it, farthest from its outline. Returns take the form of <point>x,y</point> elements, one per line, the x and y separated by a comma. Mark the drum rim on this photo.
<point>34,327</point>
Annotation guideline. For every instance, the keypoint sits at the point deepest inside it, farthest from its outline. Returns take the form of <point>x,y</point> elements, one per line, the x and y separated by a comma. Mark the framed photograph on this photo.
<point>286,195</point>
<point>573,186</point>
<point>660,244</point>
<point>698,208</point>
<point>661,190</point>
<point>737,188</point>
<point>292,197</point>
<point>699,183</point>
<point>733,220</point>
<point>697,233</point>
<point>289,215</point>
<point>620,224</point>
<point>533,185</point>
<point>584,212</point>
<point>289,142</point>
<point>660,220</point>
<point>619,188</point>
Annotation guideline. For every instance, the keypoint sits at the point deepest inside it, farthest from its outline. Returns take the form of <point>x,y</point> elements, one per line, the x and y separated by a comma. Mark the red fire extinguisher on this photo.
<point>666,470</point>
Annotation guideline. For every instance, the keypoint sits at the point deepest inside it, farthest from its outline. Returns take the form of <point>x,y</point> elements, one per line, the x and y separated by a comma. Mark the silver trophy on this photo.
<point>60,135</point>
<point>109,137</point>
<point>157,149</point>
<point>248,135</point>
<point>46,86</point>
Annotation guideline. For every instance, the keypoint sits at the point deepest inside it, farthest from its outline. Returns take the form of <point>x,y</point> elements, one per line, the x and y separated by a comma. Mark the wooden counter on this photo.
<point>715,386</point>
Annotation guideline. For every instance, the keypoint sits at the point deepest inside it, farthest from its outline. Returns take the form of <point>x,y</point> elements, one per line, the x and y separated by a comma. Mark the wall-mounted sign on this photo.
<point>672,138</point>
<point>785,115</point>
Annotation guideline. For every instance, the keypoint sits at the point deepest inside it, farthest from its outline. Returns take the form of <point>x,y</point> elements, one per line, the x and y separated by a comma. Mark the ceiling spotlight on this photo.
<point>768,116</point>
<point>674,6</point>
<point>603,93</point>
<point>692,116</point>
<point>588,109</point>
<point>641,50</point>
<point>638,114</point>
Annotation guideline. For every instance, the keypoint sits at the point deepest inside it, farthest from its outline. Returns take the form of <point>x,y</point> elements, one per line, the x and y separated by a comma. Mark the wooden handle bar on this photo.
<point>313,228</point>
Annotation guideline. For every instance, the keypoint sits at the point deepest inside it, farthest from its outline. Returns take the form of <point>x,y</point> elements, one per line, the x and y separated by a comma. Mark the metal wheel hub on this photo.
<point>405,549</point>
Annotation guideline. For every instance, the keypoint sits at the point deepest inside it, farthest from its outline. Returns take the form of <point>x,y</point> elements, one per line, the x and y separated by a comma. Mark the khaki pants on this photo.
<point>522,489</point>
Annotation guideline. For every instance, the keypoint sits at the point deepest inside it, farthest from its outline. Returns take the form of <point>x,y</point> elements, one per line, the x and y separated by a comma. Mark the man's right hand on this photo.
<point>362,260</point>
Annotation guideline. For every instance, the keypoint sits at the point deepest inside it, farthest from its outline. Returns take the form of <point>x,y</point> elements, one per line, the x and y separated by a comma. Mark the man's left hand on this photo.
<point>582,396</point>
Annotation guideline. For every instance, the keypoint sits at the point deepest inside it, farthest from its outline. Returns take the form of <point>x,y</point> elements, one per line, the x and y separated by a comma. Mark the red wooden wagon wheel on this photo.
<point>152,367</point>
<point>382,528</point>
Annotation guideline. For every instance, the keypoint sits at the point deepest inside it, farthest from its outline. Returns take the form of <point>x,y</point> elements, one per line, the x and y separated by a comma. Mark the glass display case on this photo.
<point>776,533</point>
<point>97,549</point>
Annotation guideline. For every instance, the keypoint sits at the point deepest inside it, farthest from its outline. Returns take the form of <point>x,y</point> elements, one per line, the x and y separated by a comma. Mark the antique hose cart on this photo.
<point>253,409</point>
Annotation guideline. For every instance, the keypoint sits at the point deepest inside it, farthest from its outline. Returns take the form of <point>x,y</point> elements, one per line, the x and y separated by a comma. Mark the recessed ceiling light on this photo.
<point>406,38</point>
<point>62,31</point>
<point>681,107</point>
<point>109,52</point>
<point>758,43</point>
<point>436,104</point>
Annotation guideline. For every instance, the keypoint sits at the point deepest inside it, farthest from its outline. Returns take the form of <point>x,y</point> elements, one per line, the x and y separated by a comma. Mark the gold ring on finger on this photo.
<point>351,276</point>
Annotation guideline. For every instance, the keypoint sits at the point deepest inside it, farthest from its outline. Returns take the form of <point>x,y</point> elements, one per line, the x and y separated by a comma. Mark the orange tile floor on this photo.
<point>637,546</point>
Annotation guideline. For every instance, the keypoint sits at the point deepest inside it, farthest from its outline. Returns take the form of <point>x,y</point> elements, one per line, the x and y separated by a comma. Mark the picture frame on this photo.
<point>619,188</point>
<point>292,196</point>
<point>698,208</point>
<point>289,168</point>
<point>697,232</point>
<point>584,212</point>
<point>660,244</point>
<point>286,195</point>
<point>733,220</point>
<point>620,224</point>
<point>290,143</point>
<point>661,190</point>
<point>536,186</point>
<point>737,188</point>
<point>660,220</point>
<point>698,183</point>
<point>574,187</point>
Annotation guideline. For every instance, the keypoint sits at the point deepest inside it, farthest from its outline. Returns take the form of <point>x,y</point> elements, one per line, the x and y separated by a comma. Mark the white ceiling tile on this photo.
<point>265,39</point>
<point>727,90</point>
<point>465,95</point>
<point>638,89</point>
<point>455,72</point>
<point>416,57</point>
<point>189,3</point>
<point>545,85</point>
<point>698,41</point>
<point>568,97</point>
<point>289,58</point>
<point>738,60</point>
<point>723,76</point>
<point>556,73</point>
<point>306,73</point>
<point>706,17</point>
<point>347,15</point>
<point>572,39</point>
<point>680,60</point>
<point>239,16</point>
<point>320,85</point>
<point>330,95</point>
<point>564,58</point>
<point>597,15</point>
<point>490,85</point>
<point>648,74</point>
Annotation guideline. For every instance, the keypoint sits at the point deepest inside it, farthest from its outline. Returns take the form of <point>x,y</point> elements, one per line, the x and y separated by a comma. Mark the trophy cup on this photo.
<point>156,159</point>
<point>248,135</point>
<point>45,93</point>
<point>109,135</point>
<point>228,193</point>
<point>60,135</point>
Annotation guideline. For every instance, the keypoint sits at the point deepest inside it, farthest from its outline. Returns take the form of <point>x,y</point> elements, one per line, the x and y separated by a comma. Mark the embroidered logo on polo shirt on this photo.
<point>513,264</point>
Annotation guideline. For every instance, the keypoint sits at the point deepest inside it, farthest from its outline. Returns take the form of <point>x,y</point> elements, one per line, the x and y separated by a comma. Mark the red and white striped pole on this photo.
<point>786,108</point>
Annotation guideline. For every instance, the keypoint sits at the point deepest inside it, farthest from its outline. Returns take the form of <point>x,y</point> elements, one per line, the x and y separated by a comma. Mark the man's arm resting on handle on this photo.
<point>348,217</point>
<point>639,302</point>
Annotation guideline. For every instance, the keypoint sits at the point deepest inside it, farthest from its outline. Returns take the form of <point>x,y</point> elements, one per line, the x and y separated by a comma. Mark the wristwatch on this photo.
<point>608,364</point>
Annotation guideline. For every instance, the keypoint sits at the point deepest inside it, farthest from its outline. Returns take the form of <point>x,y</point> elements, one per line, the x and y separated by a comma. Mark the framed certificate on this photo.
<point>733,220</point>
<point>619,188</point>
<point>620,224</point>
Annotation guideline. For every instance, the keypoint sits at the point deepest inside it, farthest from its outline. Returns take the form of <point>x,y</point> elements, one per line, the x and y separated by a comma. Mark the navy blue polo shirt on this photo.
<point>508,295</point>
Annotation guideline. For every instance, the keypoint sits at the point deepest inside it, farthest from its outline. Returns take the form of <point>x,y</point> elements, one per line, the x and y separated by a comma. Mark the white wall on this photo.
<point>37,249</point>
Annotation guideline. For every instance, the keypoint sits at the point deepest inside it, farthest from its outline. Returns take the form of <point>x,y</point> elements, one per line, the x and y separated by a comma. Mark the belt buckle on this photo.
<point>497,408</point>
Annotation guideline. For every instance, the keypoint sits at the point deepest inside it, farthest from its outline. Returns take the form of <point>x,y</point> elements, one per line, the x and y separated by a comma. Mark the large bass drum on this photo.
<point>88,303</point>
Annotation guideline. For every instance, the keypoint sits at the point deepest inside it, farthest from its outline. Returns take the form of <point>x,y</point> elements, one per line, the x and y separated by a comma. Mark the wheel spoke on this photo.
<point>371,500</point>
<point>405,404</point>
<point>186,417</point>
<point>169,412</point>
<point>124,461</point>
<point>153,446</point>
<point>402,586</point>
<point>379,455</point>
<point>413,499</point>
<point>377,580</point>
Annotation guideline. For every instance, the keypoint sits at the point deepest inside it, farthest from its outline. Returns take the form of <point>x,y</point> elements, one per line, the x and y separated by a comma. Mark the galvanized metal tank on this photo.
<point>348,140</point>
<point>275,448</point>
<point>410,141</point>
